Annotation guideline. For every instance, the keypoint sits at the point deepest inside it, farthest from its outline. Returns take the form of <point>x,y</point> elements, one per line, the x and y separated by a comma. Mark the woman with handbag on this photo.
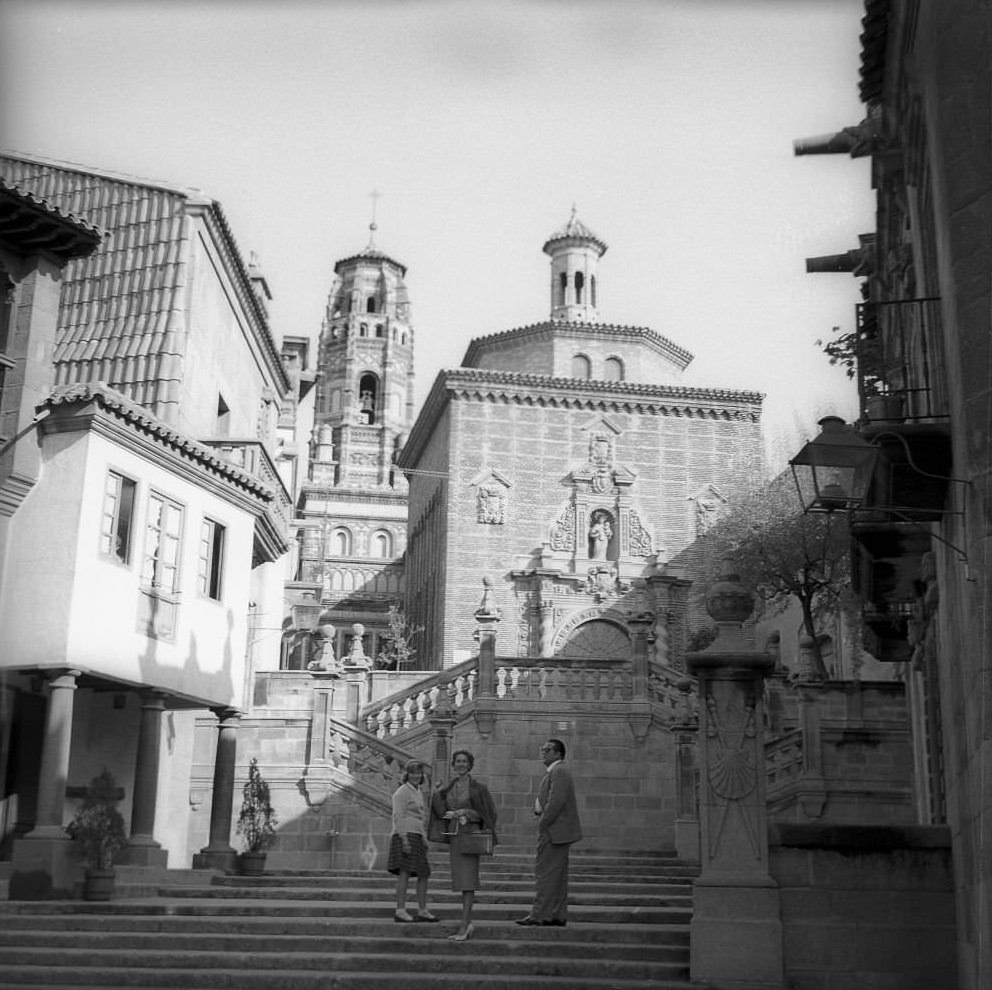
<point>408,845</point>
<point>469,812</point>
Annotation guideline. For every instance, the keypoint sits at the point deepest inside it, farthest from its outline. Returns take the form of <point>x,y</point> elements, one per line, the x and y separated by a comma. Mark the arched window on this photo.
<point>368,387</point>
<point>378,330</point>
<point>580,281</point>
<point>562,286</point>
<point>341,542</point>
<point>598,640</point>
<point>581,366</point>
<point>613,369</point>
<point>403,337</point>
<point>370,304</point>
<point>381,544</point>
<point>592,291</point>
<point>363,330</point>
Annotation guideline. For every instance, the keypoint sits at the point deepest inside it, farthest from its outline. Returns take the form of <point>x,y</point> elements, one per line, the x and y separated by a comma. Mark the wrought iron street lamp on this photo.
<point>834,471</point>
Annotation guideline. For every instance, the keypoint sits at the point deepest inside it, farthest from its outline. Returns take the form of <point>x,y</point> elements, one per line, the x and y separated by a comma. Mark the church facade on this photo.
<point>566,463</point>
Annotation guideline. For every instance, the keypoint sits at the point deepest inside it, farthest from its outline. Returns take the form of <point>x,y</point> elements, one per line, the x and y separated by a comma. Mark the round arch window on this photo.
<point>597,640</point>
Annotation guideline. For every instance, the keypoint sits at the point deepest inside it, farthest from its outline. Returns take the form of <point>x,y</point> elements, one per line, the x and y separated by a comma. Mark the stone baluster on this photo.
<point>219,853</point>
<point>735,900</point>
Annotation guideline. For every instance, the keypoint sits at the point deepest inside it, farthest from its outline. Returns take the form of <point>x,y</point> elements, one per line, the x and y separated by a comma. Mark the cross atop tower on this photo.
<point>374,196</point>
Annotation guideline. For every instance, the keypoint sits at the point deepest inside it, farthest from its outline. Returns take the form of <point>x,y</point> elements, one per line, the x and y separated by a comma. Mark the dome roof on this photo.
<point>575,229</point>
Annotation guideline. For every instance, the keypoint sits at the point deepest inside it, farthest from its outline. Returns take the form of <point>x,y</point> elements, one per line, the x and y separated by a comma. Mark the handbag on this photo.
<point>470,842</point>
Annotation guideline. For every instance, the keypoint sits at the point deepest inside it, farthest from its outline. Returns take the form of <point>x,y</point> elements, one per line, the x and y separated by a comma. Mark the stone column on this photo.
<point>736,929</point>
<point>487,616</point>
<point>219,853</point>
<point>685,728</point>
<point>42,865</point>
<point>142,849</point>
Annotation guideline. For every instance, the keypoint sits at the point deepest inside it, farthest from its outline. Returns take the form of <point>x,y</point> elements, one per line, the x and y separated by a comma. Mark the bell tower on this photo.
<point>365,391</point>
<point>575,252</point>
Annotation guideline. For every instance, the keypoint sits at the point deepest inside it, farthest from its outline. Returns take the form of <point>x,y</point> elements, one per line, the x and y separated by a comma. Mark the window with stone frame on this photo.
<point>117,520</point>
<point>210,559</point>
<point>163,542</point>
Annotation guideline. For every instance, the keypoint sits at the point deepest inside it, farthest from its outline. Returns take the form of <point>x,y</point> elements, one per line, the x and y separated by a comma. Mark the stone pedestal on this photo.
<point>736,929</point>
<point>487,617</point>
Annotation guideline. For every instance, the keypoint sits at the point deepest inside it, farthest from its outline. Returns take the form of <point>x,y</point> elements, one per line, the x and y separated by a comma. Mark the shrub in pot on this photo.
<point>98,828</point>
<point>256,822</point>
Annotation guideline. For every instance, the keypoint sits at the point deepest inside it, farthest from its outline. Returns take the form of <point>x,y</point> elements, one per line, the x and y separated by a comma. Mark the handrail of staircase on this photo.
<point>368,759</point>
<point>411,706</point>
<point>521,679</point>
<point>784,759</point>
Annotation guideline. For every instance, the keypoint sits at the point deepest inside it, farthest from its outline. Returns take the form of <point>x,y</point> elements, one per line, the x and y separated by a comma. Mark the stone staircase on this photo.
<point>322,930</point>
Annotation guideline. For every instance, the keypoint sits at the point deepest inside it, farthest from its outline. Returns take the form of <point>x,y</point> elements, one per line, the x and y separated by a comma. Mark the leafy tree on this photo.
<point>782,554</point>
<point>398,652</point>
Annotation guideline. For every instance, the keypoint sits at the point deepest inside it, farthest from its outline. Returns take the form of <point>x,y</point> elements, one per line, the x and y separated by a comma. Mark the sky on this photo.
<point>667,123</point>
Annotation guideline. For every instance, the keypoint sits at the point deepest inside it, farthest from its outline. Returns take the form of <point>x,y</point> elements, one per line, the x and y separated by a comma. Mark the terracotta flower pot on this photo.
<point>253,864</point>
<point>99,885</point>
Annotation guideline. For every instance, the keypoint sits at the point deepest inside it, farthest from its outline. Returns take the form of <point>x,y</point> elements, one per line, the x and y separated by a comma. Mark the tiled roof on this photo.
<point>874,38</point>
<point>369,254</point>
<point>679,354</point>
<point>33,224</point>
<point>122,407</point>
<point>122,313</point>
<point>577,229</point>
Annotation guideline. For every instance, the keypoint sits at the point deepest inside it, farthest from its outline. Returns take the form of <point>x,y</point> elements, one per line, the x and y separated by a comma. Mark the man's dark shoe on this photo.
<point>554,923</point>
<point>529,921</point>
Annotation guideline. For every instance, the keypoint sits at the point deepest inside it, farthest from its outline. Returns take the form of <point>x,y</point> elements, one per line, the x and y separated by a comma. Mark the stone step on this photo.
<point>487,956</point>
<point>501,893</point>
<point>410,940</point>
<point>375,888</point>
<point>53,924</point>
<point>57,978</point>
<point>485,909</point>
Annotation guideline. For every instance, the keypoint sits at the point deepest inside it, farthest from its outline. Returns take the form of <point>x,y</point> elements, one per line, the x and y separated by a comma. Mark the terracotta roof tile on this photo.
<point>121,311</point>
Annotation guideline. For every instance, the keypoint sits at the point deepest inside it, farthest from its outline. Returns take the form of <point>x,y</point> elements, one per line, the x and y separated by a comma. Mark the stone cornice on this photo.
<point>551,328</point>
<point>99,408</point>
<point>574,393</point>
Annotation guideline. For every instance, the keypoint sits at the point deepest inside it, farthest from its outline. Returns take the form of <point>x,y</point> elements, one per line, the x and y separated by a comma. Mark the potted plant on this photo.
<point>861,354</point>
<point>257,822</point>
<point>98,827</point>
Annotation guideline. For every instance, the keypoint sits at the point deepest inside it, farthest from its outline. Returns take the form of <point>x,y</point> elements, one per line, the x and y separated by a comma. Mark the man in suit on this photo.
<point>557,828</point>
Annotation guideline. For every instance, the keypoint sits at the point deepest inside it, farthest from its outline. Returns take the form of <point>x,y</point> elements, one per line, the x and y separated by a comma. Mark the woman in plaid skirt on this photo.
<point>408,844</point>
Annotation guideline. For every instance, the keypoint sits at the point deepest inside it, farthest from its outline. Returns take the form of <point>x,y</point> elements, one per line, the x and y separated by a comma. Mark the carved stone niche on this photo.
<point>491,497</point>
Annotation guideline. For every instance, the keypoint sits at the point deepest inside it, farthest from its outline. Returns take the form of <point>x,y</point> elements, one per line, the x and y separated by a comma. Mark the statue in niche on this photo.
<point>600,533</point>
